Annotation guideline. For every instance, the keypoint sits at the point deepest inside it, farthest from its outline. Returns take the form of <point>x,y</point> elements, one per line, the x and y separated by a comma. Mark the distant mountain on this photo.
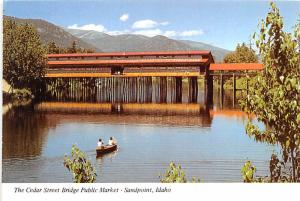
<point>218,53</point>
<point>128,42</point>
<point>132,42</point>
<point>98,41</point>
<point>50,32</point>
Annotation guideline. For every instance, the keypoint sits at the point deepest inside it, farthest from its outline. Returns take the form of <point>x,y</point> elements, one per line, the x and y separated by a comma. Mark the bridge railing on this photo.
<point>235,66</point>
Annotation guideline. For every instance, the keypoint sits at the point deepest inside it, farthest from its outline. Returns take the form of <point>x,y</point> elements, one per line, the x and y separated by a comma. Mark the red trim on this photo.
<point>105,54</point>
<point>236,66</point>
<point>130,62</point>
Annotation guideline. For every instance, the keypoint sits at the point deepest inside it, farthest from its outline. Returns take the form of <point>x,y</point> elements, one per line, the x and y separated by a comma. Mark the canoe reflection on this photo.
<point>109,156</point>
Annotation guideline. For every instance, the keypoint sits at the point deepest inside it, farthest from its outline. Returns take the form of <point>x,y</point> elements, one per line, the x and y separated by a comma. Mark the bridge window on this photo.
<point>117,70</point>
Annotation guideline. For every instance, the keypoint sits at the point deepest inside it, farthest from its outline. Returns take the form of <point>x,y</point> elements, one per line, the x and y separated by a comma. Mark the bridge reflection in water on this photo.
<point>133,113</point>
<point>189,114</point>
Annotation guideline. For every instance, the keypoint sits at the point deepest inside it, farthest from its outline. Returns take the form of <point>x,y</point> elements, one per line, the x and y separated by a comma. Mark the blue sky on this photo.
<point>220,23</point>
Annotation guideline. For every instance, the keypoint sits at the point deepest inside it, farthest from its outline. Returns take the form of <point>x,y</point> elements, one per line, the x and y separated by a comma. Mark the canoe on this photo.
<point>106,149</point>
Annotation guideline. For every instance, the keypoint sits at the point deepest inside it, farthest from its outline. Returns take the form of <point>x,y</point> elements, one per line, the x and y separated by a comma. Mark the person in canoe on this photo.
<point>111,141</point>
<point>100,143</point>
<point>104,149</point>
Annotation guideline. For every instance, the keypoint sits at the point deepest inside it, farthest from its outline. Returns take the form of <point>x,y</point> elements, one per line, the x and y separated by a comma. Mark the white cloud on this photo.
<point>91,27</point>
<point>191,33</point>
<point>149,32</point>
<point>115,33</point>
<point>144,27</point>
<point>144,24</point>
<point>147,24</point>
<point>164,23</point>
<point>170,33</point>
<point>124,17</point>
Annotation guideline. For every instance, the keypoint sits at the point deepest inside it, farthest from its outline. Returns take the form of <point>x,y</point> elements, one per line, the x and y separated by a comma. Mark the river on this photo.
<point>209,143</point>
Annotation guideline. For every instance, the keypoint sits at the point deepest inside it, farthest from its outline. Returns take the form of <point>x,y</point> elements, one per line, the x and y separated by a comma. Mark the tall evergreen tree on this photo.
<point>73,48</point>
<point>52,48</point>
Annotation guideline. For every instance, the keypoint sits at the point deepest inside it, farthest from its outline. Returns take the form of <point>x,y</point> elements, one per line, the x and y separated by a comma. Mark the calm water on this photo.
<point>210,144</point>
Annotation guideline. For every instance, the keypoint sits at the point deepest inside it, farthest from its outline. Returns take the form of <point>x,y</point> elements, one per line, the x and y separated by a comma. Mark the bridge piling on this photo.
<point>149,87</point>
<point>208,88</point>
<point>163,89</point>
<point>233,89</point>
<point>221,90</point>
<point>193,89</point>
<point>178,88</point>
<point>247,84</point>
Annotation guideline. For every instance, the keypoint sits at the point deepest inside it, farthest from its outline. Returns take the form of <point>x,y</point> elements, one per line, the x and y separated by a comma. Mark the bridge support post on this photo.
<point>100,86</point>
<point>142,89</point>
<point>208,87</point>
<point>193,89</point>
<point>149,89</point>
<point>163,89</point>
<point>134,89</point>
<point>221,83</point>
<point>221,90</point>
<point>92,85</point>
<point>233,88</point>
<point>178,88</point>
<point>247,84</point>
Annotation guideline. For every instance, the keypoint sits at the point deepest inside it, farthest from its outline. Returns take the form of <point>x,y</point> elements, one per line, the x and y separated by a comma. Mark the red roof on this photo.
<point>106,54</point>
<point>236,66</point>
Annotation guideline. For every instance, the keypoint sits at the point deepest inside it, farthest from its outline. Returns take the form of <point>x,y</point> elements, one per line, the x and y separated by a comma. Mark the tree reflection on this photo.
<point>24,132</point>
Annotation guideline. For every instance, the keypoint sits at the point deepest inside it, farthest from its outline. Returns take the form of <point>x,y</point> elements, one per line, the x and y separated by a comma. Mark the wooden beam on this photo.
<point>158,74</point>
<point>129,62</point>
<point>236,66</point>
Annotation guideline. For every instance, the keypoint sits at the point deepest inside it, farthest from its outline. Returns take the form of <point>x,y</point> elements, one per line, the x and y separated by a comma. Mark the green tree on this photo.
<point>275,96</point>
<point>83,171</point>
<point>52,48</point>
<point>248,171</point>
<point>24,57</point>
<point>73,48</point>
<point>82,50</point>
<point>175,174</point>
<point>242,54</point>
